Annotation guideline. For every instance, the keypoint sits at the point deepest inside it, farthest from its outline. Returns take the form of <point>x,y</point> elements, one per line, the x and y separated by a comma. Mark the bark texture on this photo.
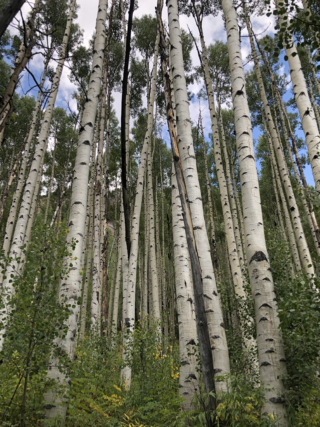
<point>211,299</point>
<point>71,288</point>
<point>269,340</point>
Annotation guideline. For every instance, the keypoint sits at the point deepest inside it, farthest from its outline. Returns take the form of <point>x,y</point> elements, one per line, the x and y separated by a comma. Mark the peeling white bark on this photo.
<point>211,298</point>
<point>269,340</point>
<point>306,111</point>
<point>304,253</point>
<point>188,375</point>
<point>71,288</point>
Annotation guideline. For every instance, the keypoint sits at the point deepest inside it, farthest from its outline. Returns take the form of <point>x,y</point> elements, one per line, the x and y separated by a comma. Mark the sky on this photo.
<point>213,28</point>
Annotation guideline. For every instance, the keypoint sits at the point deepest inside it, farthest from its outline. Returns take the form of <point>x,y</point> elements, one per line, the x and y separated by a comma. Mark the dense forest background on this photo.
<point>160,182</point>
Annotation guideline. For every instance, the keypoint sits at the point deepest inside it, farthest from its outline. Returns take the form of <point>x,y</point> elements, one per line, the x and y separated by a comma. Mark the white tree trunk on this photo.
<point>211,298</point>
<point>17,194</point>
<point>152,243</point>
<point>135,226</point>
<point>305,256</point>
<point>278,189</point>
<point>71,288</point>
<point>212,228</point>
<point>115,314</point>
<point>307,116</point>
<point>21,225</point>
<point>83,313</point>
<point>303,190</point>
<point>146,254</point>
<point>269,340</point>
<point>50,182</point>
<point>188,375</point>
<point>231,195</point>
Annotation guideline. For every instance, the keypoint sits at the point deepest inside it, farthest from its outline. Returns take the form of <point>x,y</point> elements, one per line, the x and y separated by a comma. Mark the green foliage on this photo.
<point>242,406</point>
<point>99,399</point>
<point>35,321</point>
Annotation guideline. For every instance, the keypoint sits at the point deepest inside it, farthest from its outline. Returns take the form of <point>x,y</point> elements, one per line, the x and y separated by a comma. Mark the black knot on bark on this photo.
<point>191,342</point>
<point>192,376</point>
<point>258,256</point>
<point>263,319</point>
<point>265,305</point>
<point>276,400</point>
<point>292,208</point>
<point>265,364</point>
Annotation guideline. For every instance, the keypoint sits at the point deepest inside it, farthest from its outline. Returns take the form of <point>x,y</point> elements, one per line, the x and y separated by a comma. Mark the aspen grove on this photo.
<point>159,213</point>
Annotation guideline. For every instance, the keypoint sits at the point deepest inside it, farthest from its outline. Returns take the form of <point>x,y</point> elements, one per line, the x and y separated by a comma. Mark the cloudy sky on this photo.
<point>213,30</point>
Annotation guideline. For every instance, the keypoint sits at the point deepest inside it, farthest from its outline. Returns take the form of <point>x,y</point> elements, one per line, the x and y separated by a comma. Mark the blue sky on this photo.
<point>213,30</point>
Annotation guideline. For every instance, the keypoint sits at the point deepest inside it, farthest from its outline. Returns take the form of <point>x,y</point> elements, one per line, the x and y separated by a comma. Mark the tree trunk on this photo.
<point>164,280</point>
<point>17,194</point>
<point>117,289</point>
<point>269,340</point>
<point>303,191</point>
<point>230,192</point>
<point>50,183</point>
<point>152,243</point>
<point>21,225</point>
<point>304,253</point>
<point>8,13</point>
<point>71,288</point>
<point>84,302</point>
<point>211,299</point>
<point>278,189</point>
<point>304,105</point>
<point>146,253</point>
<point>188,375</point>
<point>212,232</point>
<point>21,60</point>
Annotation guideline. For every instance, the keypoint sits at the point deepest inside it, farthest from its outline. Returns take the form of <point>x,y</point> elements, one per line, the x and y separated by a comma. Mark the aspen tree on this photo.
<point>8,12</point>
<point>211,298</point>
<point>212,232</point>
<point>307,116</point>
<point>188,375</point>
<point>115,311</point>
<point>269,341</point>
<point>315,107</point>
<point>152,242</point>
<point>230,191</point>
<point>84,302</point>
<point>205,349</point>
<point>113,286</point>
<point>303,190</point>
<point>21,60</point>
<point>71,288</point>
<point>50,182</point>
<point>112,289</point>
<point>17,194</point>
<point>135,226</point>
<point>146,252</point>
<point>164,273</point>
<point>287,126</point>
<point>305,256</point>
<point>21,225</point>
<point>278,189</point>
<point>239,209</point>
